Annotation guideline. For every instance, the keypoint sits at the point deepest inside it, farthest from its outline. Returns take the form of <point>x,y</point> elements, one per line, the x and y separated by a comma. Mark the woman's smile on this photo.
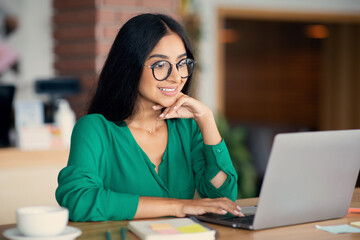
<point>169,91</point>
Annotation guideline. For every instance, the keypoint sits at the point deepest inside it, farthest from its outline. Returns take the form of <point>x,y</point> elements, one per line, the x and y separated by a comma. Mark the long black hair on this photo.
<point>119,79</point>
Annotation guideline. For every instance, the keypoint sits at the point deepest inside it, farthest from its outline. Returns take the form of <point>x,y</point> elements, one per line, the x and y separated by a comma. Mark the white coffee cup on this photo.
<point>41,221</point>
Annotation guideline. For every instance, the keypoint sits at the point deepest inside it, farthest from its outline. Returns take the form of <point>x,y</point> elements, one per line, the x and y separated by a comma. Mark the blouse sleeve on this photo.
<point>207,161</point>
<point>80,186</point>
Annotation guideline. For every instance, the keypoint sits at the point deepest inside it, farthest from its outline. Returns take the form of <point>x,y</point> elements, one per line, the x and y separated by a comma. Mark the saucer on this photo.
<point>69,233</point>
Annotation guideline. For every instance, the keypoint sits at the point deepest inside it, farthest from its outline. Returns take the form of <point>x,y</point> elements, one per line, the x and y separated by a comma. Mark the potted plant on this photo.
<point>234,138</point>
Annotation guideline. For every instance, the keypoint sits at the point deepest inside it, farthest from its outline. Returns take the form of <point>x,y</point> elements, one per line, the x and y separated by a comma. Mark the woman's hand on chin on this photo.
<point>188,107</point>
<point>184,107</point>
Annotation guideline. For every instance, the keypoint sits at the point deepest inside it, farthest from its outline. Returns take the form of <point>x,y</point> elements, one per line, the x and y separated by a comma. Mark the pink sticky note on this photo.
<point>160,226</point>
<point>168,231</point>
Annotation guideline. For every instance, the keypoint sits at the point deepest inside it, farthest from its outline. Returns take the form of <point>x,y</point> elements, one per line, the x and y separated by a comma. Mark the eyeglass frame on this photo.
<point>171,68</point>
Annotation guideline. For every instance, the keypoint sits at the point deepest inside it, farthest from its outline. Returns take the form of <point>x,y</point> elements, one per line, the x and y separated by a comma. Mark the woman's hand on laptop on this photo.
<point>208,205</point>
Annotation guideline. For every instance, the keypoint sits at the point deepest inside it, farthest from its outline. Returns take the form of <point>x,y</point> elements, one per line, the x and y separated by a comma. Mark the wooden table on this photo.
<point>96,230</point>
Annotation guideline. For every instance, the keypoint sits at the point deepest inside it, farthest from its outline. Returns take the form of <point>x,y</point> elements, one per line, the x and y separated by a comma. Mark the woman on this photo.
<point>145,145</point>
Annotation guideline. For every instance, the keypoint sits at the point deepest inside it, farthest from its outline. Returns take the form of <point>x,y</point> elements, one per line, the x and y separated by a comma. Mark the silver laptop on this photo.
<point>310,176</point>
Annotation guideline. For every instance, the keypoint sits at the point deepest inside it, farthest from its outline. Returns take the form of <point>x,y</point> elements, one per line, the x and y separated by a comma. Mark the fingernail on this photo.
<point>236,212</point>
<point>238,208</point>
<point>166,115</point>
<point>175,107</point>
<point>223,211</point>
<point>161,115</point>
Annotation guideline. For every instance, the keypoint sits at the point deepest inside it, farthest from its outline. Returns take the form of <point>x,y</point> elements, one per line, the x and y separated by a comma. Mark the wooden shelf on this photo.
<point>14,157</point>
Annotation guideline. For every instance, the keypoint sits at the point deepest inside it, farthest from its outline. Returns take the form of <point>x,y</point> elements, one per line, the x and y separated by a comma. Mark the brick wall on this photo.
<point>83,33</point>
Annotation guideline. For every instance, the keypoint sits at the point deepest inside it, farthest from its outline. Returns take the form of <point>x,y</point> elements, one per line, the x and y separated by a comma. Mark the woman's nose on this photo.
<point>174,75</point>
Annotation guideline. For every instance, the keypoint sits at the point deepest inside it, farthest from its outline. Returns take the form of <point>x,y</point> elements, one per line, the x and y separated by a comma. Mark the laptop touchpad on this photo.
<point>250,210</point>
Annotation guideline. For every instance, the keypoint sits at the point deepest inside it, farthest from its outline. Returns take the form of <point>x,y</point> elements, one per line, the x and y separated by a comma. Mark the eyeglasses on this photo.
<point>161,70</point>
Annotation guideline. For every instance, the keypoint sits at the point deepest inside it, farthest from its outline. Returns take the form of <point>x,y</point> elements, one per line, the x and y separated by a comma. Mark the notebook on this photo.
<point>172,229</point>
<point>310,177</point>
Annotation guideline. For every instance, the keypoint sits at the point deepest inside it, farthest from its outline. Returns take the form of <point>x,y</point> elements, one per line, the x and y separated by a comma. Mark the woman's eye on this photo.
<point>182,63</point>
<point>159,65</point>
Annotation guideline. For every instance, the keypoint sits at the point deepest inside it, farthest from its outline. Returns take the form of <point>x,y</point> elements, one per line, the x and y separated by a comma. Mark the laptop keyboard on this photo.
<point>248,220</point>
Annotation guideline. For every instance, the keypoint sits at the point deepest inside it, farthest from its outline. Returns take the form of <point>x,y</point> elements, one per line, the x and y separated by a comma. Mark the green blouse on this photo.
<point>107,170</point>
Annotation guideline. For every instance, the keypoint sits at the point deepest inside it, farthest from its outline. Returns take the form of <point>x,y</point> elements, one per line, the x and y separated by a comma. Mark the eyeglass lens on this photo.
<point>162,69</point>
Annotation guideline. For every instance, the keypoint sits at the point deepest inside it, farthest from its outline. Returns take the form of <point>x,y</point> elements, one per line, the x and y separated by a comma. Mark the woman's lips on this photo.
<point>168,91</point>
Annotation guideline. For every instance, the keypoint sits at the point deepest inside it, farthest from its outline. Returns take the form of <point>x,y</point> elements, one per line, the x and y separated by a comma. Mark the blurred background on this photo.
<point>265,67</point>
